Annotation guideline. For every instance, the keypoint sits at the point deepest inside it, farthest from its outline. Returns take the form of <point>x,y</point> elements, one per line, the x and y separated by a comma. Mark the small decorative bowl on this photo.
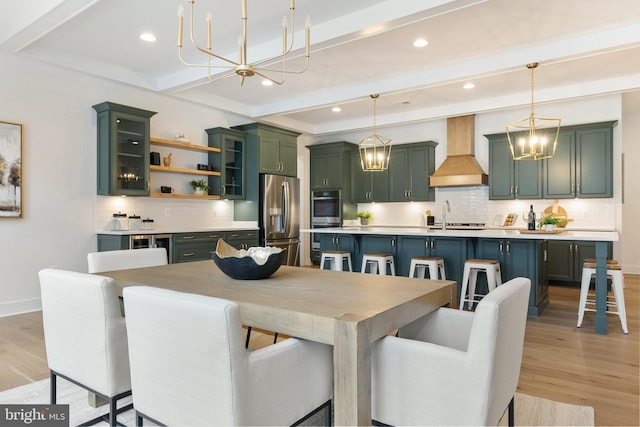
<point>252,264</point>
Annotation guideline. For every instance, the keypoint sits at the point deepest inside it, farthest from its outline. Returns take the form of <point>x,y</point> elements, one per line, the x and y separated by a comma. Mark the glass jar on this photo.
<point>147,224</point>
<point>135,222</point>
<point>119,222</point>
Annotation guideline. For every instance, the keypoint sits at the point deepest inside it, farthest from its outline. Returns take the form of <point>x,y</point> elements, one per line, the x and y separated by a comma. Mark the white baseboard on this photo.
<point>19,307</point>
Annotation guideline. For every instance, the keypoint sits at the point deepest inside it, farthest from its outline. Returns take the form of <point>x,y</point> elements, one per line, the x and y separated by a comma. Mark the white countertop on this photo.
<point>174,230</point>
<point>606,236</point>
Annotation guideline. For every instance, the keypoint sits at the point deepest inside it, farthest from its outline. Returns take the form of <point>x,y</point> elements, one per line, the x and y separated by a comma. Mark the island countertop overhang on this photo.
<point>601,236</point>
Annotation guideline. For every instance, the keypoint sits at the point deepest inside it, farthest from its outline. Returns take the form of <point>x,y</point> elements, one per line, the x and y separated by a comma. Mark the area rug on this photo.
<point>530,410</point>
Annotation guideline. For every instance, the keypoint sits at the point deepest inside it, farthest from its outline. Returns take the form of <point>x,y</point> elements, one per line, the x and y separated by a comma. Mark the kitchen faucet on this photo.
<point>445,208</point>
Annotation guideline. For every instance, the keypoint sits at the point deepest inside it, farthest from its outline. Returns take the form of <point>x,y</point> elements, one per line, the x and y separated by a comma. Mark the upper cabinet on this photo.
<point>583,164</point>
<point>368,187</point>
<point>330,165</point>
<point>123,150</point>
<point>231,162</point>
<point>581,167</point>
<point>276,149</point>
<point>409,170</point>
<point>512,179</point>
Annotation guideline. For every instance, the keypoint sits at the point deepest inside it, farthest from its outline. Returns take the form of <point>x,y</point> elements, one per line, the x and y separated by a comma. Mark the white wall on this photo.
<point>630,212</point>
<point>59,161</point>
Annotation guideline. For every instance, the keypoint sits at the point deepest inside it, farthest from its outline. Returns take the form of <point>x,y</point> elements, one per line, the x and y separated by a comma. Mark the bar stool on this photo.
<point>378,264</point>
<point>471,268</point>
<point>614,272</point>
<point>336,260</point>
<point>434,263</point>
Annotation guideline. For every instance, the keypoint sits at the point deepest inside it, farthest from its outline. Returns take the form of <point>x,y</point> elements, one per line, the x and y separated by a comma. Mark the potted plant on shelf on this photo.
<point>549,222</point>
<point>364,216</point>
<point>200,187</point>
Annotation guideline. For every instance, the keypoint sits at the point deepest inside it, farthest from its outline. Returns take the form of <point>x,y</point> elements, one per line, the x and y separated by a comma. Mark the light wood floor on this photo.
<point>560,361</point>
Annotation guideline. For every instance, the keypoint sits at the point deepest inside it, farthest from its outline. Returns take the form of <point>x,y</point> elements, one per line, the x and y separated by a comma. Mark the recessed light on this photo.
<point>336,109</point>
<point>469,86</point>
<point>267,82</point>
<point>420,43</point>
<point>148,37</point>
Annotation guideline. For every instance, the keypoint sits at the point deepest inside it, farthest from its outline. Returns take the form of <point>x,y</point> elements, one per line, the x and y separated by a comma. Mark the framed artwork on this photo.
<point>10,170</point>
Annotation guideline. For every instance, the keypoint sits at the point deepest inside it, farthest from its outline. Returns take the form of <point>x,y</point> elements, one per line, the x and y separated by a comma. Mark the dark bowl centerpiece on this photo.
<point>252,264</point>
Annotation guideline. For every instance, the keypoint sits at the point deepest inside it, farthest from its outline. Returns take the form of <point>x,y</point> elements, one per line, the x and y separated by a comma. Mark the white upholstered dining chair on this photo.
<point>126,259</point>
<point>453,367</point>
<point>85,336</point>
<point>189,365</point>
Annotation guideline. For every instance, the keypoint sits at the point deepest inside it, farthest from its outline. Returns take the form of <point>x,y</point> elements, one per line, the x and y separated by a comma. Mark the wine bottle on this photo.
<point>531,218</point>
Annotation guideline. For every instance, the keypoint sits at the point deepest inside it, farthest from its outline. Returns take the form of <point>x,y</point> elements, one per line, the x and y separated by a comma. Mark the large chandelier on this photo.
<point>533,137</point>
<point>241,67</point>
<point>374,149</point>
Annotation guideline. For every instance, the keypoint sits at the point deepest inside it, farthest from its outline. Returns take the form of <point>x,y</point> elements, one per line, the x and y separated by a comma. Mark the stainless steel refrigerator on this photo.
<point>279,219</point>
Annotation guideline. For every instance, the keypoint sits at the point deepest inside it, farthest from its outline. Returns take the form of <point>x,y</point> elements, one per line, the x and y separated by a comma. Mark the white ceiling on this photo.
<point>358,47</point>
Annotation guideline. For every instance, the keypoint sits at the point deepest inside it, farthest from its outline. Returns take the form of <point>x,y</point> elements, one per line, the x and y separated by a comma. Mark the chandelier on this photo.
<point>374,149</point>
<point>533,137</point>
<point>241,67</point>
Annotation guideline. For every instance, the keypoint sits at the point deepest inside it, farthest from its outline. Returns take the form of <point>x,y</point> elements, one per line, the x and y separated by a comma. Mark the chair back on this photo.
<point>84,332</point>
<point>497,338</point>
<point>126,259</point>
<point>187,355</point>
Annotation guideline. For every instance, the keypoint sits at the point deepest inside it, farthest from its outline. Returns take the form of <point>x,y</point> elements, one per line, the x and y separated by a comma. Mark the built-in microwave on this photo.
<point>326,207</point>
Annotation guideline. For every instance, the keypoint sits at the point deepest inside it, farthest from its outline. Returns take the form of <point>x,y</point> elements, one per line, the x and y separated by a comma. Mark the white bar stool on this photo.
<point>378,264</point>
<point>336,260</point>
<point>471,268</point>
<point>614,272</point>
<point>434,263</point>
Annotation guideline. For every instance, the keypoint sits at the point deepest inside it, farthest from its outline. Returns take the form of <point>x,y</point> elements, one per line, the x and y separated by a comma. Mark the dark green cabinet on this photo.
<point>454,251</point>
<point>512,179</point>
<point>276,149</point>
<point>330,166</point>
<point>518,258</point>
<point>112,242</point>
<point>196,246</point>
<point>410,166</point>
<point>367,187</point>
<point>565,259</point>
<point>230,162</point>
<point>242,239</point>
<point>123,150</point>
<point>583,163</point>
<point>339,242</point>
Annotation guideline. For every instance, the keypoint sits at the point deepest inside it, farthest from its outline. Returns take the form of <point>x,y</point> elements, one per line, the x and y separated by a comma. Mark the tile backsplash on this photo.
<point>472,204</point>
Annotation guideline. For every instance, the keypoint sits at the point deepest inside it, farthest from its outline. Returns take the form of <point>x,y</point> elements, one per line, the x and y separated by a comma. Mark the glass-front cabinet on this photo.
<point>231,162</point>
<point>123,150</point>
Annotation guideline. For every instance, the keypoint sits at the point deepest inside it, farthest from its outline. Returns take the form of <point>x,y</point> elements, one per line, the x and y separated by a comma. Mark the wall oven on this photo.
<point>141,241</point>
<point>326,207</point>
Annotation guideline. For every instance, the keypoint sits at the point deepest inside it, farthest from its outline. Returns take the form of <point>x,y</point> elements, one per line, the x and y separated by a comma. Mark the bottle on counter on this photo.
<point>531,218</point>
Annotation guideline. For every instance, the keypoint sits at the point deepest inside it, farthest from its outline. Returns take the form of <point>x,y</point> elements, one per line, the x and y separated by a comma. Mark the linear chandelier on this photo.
<point>375,150</point>
<point>241,67</point>
<point>533,137</point>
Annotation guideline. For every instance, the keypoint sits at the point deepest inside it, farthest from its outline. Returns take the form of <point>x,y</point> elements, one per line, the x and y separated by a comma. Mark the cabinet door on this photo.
<point>288,151</point>
<point>455,252</point>
<point>318,170</point>
<point>520,260</point>
<point>541,297</point>
<point>409,247</point>
<point>326,170</point>
<point>559,171</point>
<point>501,169</point>
<point>360,181</point>
<point>594,163</point>
<point>560,262</point>
<point>232,170</point>
<point>528,179</point>
<point>399,175</point>
<point>419,171</point>
<point>269,155</point>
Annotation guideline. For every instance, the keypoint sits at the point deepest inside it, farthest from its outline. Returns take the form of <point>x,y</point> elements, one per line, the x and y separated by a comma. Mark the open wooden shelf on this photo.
<point>156,168</point>
<point>183,145</point>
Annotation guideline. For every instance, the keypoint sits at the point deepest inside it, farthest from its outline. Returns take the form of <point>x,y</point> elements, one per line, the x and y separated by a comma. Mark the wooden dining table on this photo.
<point>346,310</point>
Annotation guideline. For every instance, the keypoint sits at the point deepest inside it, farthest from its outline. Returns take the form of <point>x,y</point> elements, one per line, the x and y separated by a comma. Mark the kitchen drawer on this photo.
<point>242,239</point>
<point>201,236</point>
<point>195,251</point>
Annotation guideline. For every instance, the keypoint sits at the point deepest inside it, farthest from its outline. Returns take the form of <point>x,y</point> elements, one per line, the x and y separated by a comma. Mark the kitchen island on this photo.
<point>521,253</point>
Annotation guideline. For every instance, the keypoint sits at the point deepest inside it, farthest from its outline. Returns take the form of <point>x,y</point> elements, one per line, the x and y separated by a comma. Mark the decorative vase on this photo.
<point>364,221</point>
<point>199,192</point>
<point>549,227</point>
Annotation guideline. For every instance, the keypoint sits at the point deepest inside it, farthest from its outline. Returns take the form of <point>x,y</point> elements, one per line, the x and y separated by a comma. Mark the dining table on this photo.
<point>347,310</point>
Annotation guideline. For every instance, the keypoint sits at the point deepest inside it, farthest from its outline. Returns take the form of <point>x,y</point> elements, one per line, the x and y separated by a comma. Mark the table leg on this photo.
<point>601,288</point>
<point>352,372</point>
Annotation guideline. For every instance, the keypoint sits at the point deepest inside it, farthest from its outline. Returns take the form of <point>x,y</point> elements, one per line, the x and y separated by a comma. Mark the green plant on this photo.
<point>364,215</point>
<point>550,219</point>
<point>199,184</point>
